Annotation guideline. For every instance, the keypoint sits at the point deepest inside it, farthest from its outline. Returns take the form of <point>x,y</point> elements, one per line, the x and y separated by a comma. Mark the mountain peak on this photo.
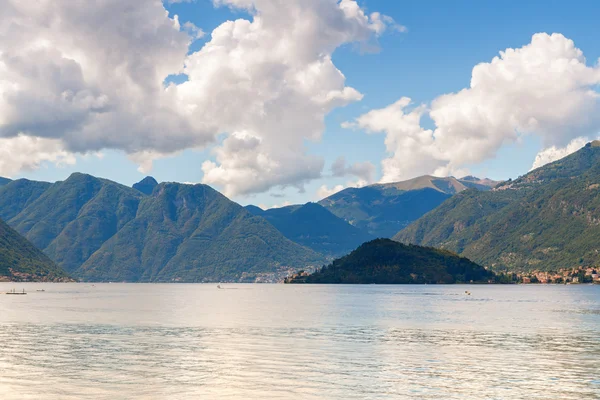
<point>449,185</point>
<point>146,185</point>
<point>254,210</point>
<point>313,207</point>
<point>314,227</point>
<point>76,176</point>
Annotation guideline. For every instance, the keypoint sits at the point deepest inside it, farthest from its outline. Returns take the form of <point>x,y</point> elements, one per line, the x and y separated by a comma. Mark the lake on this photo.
<point>190,341</point>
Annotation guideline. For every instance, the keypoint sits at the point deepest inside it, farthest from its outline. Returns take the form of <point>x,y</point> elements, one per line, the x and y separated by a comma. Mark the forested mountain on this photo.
<point>4,181</point>
<point>384,209</point>
<point>547,219</point>
<point>71,219</point>
<point>22,261</point>
<point>193,233</point>
<point>97,229</point>
<point>18,194</point>
<point>384,261</point>
<point>146,185</point>
<point>311,225</point>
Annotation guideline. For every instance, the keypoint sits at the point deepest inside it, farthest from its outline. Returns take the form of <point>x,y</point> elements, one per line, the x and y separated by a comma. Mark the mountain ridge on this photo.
<point>384,209</point>
<point>448,185</point>
<point>313,226</point>
<point>76,221</point>
<point>547,219</point>
<point>193,233</point>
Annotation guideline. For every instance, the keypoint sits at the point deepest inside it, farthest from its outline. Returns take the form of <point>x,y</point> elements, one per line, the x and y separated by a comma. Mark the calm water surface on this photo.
<point>176,341</point>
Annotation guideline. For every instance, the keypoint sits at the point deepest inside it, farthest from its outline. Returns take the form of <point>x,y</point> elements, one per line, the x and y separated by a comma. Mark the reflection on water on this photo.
<point>78,341</point>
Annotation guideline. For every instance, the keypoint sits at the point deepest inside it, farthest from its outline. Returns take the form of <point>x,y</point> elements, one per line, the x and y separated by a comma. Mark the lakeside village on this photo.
<point>577,275</point>
<point>562,276</point>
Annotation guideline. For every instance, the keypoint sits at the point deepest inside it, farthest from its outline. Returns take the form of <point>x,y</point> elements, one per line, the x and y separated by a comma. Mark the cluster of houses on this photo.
<point>565,275</point>
<point>15,276</point>
<point>278,276</point>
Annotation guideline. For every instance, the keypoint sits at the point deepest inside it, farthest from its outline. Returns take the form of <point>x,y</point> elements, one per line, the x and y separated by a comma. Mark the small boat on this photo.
<point>219,286</point>
<point>15,292</point>
<point>40,290</point>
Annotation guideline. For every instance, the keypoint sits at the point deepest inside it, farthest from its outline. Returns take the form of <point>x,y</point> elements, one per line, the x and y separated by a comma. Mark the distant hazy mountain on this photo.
<point>4,181</point>
<point>146,185</point>
<point>449,185</point>
<point>547,219</point>
<point>311,225</point>
<point>100,230</point>
<point>22,261</point>
<point>473,182</point>
<point>384,261</point>
<point>383,209</point>
<point>193,233</point>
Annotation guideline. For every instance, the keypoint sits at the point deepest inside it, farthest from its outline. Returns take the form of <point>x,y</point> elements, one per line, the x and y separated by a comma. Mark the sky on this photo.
<point>276,102</point>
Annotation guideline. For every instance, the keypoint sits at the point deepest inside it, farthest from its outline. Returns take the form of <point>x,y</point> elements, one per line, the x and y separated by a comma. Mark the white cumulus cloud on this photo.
<point>90,76</point>
<point>544,88</point>
<point>554,153</point>
<point>325,191</point>
<point>269,83</point>
<point>23,153</point>
<point>364,171</point>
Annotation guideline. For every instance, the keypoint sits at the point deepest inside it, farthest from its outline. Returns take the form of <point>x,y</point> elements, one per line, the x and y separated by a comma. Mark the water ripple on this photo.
<point>320,344</point>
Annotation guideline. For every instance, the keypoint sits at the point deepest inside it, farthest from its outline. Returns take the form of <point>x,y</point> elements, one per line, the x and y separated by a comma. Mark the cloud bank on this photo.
<point>24,153</point>
<point>90,76</point>
<point>269,83</point>
<point>544,88</point>
<point>77,77</point>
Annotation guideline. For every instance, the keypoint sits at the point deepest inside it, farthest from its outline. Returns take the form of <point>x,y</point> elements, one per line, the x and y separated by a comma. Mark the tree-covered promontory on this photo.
<point>384,261</point>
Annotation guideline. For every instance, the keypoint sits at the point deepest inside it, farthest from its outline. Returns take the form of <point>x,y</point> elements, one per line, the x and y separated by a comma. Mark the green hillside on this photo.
<point>384,261</point>
<point>70,220</point>
<point>311,225</point>
<point>193,233</point>
<point>21,261</point>
<point>97,229</point>
<point>384,209</point>
<point>18,194</point>
<point>547,219</point>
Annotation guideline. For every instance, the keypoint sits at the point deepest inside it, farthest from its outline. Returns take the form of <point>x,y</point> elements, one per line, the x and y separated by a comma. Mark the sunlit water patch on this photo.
<point>134,341</point>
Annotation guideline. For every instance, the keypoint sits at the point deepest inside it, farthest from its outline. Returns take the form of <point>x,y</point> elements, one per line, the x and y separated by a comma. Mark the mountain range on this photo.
<point>313,226</point>
<point>383,209</point>
<point>546,219</point>
<point>100,230</point>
